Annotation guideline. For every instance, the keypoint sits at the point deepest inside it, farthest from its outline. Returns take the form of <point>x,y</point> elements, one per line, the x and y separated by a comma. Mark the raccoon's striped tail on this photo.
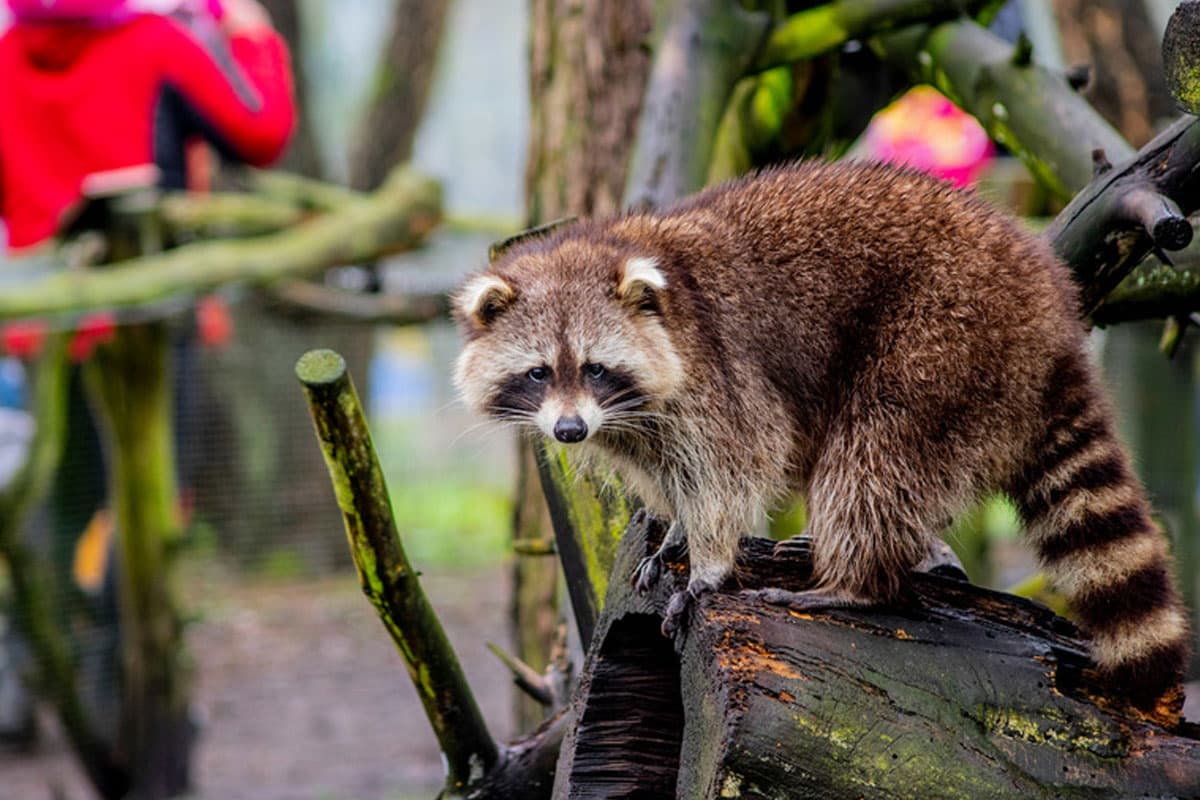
<point>1087,516</point>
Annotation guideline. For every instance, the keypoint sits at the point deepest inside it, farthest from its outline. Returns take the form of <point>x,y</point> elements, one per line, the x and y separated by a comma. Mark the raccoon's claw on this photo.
<point>647,573</point>
<point>677,608</point>
<point>681,604</point>
<point>811,600</point>
<point>942,561</point>
<point>641,518</point>
<point>649,570</point>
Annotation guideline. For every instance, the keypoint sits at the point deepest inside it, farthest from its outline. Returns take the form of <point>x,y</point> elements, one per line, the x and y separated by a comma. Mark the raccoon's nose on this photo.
<point>570,429</point>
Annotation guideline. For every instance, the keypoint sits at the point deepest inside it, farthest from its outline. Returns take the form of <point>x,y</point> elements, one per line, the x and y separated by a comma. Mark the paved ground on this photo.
<point>303,697</point>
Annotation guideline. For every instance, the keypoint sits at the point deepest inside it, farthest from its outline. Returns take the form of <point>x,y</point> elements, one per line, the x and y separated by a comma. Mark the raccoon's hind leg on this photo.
<point>940,560</point>
<point>872,512</point>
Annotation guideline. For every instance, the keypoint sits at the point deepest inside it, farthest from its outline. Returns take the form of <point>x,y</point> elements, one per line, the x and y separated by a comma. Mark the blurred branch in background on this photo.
<point>396,217</point>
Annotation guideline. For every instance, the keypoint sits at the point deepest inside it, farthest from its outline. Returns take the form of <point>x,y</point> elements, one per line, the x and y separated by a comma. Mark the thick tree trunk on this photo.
<point>957,692</point>
<point>401,87</point>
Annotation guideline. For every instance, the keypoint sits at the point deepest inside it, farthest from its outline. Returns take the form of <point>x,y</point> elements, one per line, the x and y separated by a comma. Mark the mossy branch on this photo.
<point>307,193</point>
<point>1116,215</point>
<point>307,297</point>
<point>396,217</point>
<point>820,29</point>
<point>387,577</point>
<point>227,215</point>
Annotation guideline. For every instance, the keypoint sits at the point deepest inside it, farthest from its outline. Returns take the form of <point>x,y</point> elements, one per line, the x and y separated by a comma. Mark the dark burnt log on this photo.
<point>956,692</point>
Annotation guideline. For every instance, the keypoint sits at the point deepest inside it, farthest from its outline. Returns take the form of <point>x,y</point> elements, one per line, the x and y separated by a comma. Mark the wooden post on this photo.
<point>129,381</point>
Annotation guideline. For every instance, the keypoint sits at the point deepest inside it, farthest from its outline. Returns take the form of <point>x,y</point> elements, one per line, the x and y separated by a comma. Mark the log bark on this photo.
<point>956,692</point>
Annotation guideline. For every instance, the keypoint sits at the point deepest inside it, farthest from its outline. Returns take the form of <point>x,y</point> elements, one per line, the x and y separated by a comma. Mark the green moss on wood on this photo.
<point>385,574</point>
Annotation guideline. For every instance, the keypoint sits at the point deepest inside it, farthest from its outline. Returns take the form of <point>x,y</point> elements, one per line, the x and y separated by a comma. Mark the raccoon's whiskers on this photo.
<point>491,427</point>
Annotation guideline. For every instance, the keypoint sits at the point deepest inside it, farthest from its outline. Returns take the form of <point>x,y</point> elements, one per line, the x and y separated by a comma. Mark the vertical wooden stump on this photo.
<point>129,379</point>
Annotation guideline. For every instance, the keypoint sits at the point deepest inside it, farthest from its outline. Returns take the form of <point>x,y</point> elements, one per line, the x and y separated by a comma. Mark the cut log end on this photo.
<point>318,368</point>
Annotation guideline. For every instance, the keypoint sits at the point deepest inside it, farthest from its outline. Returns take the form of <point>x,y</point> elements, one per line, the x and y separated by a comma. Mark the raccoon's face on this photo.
<point>573,349</point>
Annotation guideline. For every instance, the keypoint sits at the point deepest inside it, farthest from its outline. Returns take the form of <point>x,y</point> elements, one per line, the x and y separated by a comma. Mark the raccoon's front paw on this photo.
<point>647,573</point>
<point>682,603</point>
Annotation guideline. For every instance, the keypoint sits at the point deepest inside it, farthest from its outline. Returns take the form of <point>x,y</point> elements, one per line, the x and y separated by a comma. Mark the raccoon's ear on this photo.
<point>483,298</point>
<point>640,283</point>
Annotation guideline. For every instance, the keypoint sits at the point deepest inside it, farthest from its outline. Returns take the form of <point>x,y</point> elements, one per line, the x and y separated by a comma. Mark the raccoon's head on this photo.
<point>570,340</point>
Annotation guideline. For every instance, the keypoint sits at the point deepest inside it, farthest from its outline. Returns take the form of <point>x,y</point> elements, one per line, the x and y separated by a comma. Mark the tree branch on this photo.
<point>1107,229</point>
<point>226,215</point>
<point>307,297</point>
<point>386,575</point>
<point>1024,106</point>
<point>817,30</point>
<point>308,193</point>
<point>395,218</point>
<point>1116,216</point>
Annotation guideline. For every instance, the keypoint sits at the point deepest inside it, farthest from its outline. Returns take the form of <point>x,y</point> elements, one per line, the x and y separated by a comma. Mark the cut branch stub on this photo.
<point>1181,56</point>
<point>1115,221</point>
<point>1158,215</point>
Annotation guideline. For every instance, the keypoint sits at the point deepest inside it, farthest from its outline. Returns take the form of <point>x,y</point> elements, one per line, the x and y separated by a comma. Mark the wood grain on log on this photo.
<point>957,692</point>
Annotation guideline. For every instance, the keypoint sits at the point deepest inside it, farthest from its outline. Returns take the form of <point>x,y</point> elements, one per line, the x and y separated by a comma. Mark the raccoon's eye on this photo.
<point>593,370</point>
<point>538,374</point>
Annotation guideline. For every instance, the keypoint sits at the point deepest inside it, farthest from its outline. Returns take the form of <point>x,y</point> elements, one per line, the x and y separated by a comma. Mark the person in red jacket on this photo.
<point>90,86</point>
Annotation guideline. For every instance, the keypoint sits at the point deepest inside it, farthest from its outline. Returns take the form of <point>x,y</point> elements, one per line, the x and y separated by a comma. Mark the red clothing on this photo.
<point>76,99</point>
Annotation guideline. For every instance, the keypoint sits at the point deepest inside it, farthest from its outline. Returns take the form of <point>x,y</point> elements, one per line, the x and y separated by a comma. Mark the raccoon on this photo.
<point>889,346</point>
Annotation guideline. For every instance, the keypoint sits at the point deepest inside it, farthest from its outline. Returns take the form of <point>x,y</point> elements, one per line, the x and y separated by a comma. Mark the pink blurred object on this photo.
<point>924,130</point>
<point>94,11</point>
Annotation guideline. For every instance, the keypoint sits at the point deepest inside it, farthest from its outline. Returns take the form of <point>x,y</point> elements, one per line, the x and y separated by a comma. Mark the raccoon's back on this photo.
<point>819,271</point>
<point>865,231</point>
